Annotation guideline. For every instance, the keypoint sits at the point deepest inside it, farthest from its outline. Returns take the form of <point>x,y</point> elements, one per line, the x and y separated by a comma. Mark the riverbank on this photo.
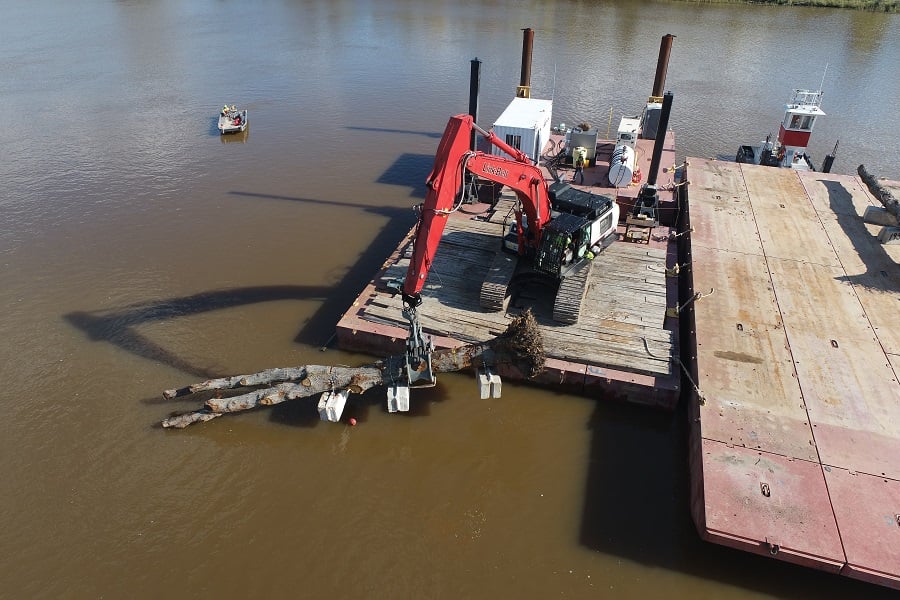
<point>888,6</point>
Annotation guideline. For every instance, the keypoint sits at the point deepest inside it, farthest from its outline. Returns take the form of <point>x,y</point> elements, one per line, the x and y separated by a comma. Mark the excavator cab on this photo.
<point>564,242</point>
<point>581,221</point>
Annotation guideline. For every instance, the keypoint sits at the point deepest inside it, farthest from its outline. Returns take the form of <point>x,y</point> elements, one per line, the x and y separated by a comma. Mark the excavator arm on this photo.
<point>445,183</point>
<point>453,160</point>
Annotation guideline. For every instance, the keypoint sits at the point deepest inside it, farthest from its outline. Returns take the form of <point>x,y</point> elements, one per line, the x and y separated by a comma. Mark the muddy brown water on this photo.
<point>140,251</point>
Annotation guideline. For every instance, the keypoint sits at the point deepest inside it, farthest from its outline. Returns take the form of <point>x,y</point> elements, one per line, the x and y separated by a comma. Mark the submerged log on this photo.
<point>881,193</point>
<point>520,347</point>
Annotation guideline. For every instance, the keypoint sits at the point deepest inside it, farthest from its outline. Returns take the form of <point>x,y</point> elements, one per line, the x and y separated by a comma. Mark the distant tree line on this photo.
<point>890,6</point>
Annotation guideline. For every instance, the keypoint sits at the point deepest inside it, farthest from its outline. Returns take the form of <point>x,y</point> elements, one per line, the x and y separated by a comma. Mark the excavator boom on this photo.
<point>454,158</point>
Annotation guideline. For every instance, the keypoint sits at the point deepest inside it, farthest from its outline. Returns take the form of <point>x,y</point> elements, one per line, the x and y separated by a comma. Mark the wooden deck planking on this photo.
<point>622,326</point>
<point>812,376</point>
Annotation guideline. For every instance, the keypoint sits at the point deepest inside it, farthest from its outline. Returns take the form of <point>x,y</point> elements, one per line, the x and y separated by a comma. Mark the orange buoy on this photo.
<point>352,422</point>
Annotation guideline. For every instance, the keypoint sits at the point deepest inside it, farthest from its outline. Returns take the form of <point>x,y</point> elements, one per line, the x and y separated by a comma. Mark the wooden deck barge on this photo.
<point>795,443</point>
<point>623,346</point>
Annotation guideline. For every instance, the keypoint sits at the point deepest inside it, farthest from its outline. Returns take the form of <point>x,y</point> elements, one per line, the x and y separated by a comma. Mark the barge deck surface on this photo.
<point>795,442</point>
<point>624,346</point>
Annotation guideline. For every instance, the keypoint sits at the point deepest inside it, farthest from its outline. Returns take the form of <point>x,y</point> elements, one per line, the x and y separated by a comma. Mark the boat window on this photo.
<point>795,122</point>
<point>807,122</point>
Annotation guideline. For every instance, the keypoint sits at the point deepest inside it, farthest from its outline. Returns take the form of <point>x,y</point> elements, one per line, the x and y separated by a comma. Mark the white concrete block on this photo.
<point>323,401</point>
<point>495,386</point>
<point>484,385</point>
<point>488,384</point>
<point>398,398</point>
<point>335,403</point>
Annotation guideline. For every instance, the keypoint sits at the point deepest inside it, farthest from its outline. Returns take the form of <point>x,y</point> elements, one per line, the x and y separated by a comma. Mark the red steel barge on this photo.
<point>795,358</point>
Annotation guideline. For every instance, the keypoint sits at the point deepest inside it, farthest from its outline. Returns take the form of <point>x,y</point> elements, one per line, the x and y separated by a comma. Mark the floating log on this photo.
<point>519,347</point>
<point>881,193</point>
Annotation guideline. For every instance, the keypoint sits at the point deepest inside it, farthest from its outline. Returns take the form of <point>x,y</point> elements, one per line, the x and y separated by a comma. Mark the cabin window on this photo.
<point>514,140</point>
<point>801,122</point>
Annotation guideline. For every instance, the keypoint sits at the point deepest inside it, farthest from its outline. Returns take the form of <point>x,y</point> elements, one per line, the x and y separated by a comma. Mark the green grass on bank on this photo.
<point>889,6</point>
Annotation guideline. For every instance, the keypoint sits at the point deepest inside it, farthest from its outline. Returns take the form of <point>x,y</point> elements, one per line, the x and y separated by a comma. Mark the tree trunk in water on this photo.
<point>519,347</point>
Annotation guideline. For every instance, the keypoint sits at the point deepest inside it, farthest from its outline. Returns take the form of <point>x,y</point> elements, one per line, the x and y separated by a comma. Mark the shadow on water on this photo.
<point>637,506</point>
<point>409,168</point>
<point>429,134</point>
<point>881,270</point>
<point>119,327</point>
<point>320,326</point>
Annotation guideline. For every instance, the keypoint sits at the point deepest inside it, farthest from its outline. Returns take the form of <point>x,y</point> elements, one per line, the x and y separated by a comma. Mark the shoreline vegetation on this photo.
<point>888,6</point>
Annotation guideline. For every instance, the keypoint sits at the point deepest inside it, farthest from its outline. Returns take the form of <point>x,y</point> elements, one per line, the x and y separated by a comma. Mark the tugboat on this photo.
<point>789,150</point>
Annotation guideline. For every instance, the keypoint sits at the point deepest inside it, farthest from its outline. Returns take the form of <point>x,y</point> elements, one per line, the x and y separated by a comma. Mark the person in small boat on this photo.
<point>224,110</point>
<point>237,120</point>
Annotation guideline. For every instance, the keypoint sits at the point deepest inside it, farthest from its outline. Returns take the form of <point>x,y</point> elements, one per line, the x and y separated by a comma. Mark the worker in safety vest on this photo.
<point>579,170</point>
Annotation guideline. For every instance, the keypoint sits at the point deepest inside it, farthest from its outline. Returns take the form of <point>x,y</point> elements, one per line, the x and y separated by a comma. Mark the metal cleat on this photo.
<point>398,398</point>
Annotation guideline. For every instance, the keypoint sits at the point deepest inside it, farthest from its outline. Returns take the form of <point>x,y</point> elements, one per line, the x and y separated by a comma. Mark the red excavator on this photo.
<point>562,229</point>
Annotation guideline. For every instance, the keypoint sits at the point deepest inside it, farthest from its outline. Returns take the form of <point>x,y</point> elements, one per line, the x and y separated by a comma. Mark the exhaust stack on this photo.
<point>524,89</point>
<point>470,189</point>
<point>647,201</point>
<point>474,91</point>
<point>660,140</point>
<point>650,122</point>
<point>662,67</point>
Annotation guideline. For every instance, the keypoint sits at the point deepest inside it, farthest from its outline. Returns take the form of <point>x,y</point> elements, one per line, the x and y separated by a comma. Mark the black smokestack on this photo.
<point>524,90</point>
<point>660,139</point>
<point>474,85</point>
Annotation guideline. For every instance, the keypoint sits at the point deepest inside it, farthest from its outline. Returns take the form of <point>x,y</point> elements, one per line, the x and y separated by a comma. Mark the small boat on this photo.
<point>232,120</point>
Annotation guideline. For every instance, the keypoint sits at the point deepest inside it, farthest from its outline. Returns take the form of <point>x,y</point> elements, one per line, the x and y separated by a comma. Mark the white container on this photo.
<point>627,134</point>
<point>621,166</point>
<point>525,125</point>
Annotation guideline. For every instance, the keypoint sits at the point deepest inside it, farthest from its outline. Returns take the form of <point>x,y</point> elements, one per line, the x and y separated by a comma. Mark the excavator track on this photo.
<point>496,282</point>
<point>570,297</point>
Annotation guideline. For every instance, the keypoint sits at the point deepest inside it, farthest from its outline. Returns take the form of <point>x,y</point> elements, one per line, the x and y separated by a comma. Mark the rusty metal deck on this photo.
<point>795,446</point>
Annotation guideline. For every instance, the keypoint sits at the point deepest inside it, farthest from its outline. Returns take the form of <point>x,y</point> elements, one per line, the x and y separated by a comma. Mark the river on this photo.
<point>140,251</point>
